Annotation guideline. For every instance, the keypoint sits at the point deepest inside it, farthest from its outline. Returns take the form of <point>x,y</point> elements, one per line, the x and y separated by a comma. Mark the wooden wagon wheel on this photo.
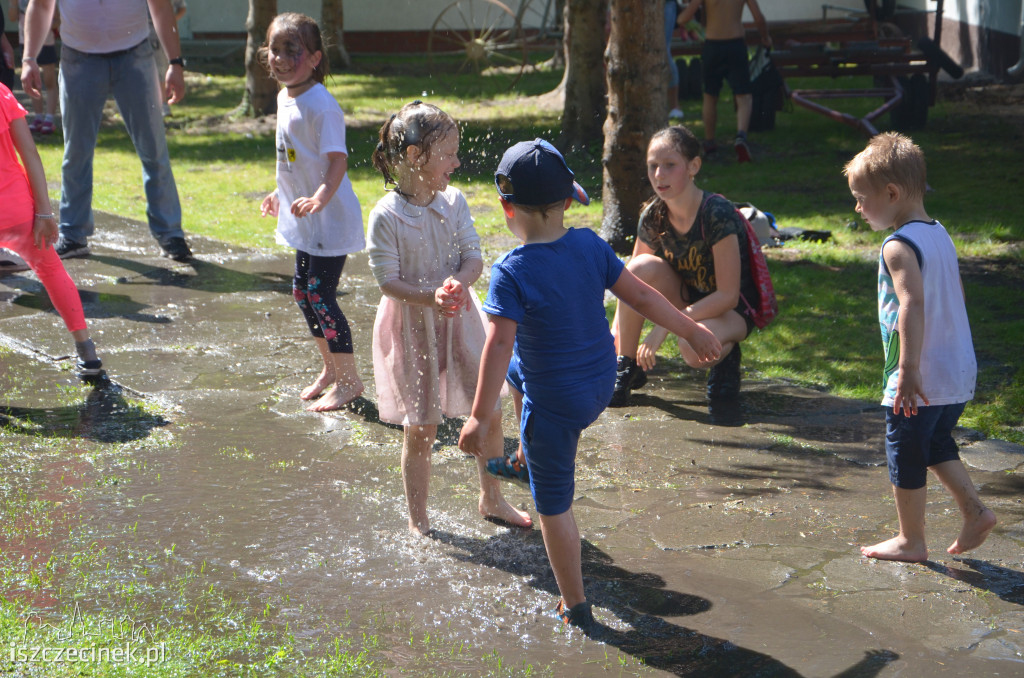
<point>484,35</point>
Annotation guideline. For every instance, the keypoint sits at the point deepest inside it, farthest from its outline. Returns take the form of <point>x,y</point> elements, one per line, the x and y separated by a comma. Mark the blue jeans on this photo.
<point>86,80</point>
<point>671,14</point>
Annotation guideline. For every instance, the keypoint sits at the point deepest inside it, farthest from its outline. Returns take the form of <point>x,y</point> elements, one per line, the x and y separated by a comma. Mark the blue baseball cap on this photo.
<point>535,173</point>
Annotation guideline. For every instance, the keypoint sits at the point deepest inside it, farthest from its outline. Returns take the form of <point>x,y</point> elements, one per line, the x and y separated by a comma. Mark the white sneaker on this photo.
<point>11,262</point>
<point>675,113</point>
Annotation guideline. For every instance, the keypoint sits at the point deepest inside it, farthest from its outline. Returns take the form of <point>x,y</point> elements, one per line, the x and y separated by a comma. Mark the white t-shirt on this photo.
<point>948,366</point>
<point>103,26</point>
<point>309,127</point>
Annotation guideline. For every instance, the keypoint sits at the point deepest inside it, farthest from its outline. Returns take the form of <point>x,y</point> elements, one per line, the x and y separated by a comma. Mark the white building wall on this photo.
<point>228,16</point>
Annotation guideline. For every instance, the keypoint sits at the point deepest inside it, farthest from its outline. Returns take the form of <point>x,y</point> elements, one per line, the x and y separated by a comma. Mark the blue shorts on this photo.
<point>914,443</point>
<point>726,60</point>
<point>549,445</point>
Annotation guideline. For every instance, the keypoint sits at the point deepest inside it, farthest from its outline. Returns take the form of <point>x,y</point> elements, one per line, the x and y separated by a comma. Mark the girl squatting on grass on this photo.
<point>691,247</point>
<point>322,219</point>
<point>429,330</point>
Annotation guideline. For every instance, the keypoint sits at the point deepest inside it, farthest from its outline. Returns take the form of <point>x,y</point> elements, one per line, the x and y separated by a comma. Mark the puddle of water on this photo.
<point>709,549</point>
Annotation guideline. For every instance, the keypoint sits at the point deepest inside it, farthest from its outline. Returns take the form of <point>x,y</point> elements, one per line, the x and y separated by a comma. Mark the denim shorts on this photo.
<point>914,443</point>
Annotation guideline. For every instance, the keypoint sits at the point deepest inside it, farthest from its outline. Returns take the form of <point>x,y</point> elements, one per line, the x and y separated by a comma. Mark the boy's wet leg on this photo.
<point>909,545</point>
<point>978,520</point>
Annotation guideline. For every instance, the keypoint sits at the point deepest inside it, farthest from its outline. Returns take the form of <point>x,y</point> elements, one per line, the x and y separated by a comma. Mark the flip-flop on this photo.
<point>509,468</point>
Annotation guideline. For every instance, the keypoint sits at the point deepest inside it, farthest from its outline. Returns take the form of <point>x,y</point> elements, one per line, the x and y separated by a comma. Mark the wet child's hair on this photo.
<point>304,35</point>
<point>416,124</point>
<point>687,145</point>
<point>891,158</point>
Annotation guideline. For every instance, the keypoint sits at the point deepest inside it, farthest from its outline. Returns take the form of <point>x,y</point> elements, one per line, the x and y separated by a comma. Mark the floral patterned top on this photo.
<point>690,253</point>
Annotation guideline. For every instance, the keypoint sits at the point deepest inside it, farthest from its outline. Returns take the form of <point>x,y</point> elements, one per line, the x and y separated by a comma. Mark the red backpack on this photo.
<point>767,307</point>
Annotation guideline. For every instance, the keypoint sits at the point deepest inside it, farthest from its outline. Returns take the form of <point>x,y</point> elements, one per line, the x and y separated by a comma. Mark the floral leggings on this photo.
<point>315,288</point>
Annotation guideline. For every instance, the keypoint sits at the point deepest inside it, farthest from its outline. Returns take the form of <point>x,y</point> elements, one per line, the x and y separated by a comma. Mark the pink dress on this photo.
<point>424,364</point>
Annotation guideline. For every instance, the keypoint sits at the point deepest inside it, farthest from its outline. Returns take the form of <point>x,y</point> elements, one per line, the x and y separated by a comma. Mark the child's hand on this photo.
<point>704,344</point>
<point>646,356</point>
<point>270,205</point>
<point>908,390</point>
<point>473,438</point>
<point>451,297</point>
<point>459,293</point>
<point>44,231</point>
<point>646,352</point>
<point>303,206</point>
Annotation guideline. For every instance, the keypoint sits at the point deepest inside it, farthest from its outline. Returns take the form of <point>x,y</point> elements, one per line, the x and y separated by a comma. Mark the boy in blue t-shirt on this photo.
<point>548,336</point>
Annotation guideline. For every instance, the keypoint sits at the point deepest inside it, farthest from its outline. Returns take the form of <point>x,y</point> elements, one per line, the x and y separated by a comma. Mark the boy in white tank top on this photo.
<point>930,368</point>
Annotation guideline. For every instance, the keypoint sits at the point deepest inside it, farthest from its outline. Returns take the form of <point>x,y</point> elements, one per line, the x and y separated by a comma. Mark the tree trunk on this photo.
<point>583,83</point>
<point>636,67</point>
<point>260,97</point>
<point>332,16</point>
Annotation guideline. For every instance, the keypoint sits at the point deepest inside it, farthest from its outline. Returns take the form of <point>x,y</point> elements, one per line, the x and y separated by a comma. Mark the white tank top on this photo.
<point>102,26</point>
<point>948,366</point>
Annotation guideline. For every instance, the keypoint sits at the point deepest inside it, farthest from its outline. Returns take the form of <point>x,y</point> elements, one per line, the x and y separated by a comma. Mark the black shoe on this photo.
<point>580,615</point>
<point>68,249</point>
<point>90,370</point>
<point>724,378</point>
<point>628,377</point>
<point>177,249</point>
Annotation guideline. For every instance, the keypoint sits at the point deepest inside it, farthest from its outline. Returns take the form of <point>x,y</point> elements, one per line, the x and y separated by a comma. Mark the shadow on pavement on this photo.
<point>1006,583</point>
<point>639,600</point>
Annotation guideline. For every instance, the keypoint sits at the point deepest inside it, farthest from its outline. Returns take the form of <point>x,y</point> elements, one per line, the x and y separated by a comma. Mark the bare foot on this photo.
<point>896,548</point>
<point>973,532</point>
<point>339,396</point>
<point>505,513</point>
<point>419,529</point>
<point>317,387</point>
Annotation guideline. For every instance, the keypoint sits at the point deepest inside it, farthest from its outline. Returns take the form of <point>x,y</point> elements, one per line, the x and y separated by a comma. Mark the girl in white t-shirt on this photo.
<point>322,219</point>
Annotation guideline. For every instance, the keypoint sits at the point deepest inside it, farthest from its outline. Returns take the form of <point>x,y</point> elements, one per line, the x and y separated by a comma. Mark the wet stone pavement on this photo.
<point>709,549</point>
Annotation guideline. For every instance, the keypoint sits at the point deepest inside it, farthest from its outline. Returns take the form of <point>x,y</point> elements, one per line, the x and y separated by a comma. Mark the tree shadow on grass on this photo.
<point>639,601</point>
<point>105,416</point>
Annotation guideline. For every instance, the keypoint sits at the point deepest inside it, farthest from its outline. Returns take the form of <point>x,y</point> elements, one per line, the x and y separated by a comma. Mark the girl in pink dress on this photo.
<point>27,226</point>
<point>429,330</point>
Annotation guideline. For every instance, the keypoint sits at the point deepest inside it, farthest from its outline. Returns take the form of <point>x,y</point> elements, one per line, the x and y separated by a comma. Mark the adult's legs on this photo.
<point>416,447</point>
<point>978,520</point>
<point>137,93</point>
<point>84,82</point>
